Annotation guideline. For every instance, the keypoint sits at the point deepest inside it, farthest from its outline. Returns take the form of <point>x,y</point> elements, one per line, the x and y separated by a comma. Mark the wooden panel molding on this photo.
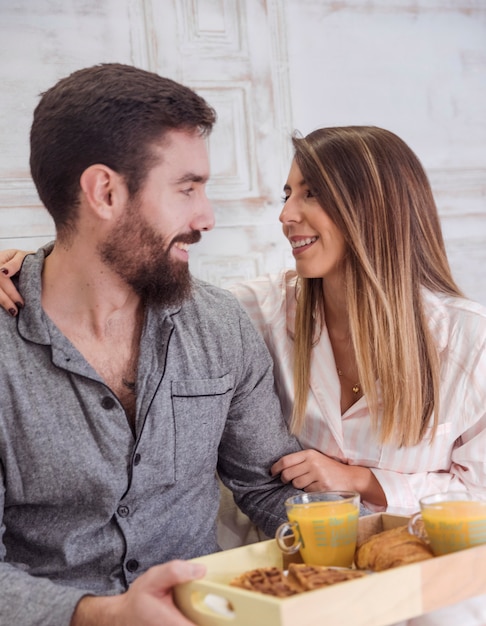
<point>212,28</point>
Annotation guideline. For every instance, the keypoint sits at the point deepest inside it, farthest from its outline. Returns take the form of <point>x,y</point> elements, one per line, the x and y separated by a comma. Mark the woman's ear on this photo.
<point>104,190</point>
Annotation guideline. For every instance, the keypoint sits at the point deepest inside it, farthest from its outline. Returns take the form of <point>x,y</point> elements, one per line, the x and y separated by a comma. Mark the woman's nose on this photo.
<point>289,212</point>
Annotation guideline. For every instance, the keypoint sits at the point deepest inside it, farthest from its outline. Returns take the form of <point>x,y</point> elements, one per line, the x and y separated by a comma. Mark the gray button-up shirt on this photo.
<point>87,505</point>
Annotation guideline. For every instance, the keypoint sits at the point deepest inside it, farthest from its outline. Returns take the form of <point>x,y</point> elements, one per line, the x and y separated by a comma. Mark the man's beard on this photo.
<point>141,257</point>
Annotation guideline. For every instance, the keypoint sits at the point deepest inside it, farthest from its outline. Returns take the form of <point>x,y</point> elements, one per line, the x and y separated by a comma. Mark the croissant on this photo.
<point>391,548</point>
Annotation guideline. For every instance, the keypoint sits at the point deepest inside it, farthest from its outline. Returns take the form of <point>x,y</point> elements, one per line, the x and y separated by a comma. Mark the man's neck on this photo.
<point>99,314</point>
<point>80,291</point>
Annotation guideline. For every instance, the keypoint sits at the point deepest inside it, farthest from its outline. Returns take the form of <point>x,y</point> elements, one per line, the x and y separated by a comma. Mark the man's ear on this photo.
<point>104,190</point>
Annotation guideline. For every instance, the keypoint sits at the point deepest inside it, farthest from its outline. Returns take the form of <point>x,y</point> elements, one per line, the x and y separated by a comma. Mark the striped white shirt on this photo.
<point>454,460</point>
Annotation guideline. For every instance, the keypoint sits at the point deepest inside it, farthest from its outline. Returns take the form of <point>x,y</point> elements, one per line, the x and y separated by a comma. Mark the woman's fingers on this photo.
<point>10,263</point>
<point>10,298</point>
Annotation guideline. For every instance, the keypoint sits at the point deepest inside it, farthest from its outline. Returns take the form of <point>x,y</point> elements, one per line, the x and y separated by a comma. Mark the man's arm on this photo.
<point>148,602</point>
<point>30,600</point>
<point>256,435</point>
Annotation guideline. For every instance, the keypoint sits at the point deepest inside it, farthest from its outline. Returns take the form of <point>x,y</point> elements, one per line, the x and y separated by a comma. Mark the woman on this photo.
<point>380,362</point>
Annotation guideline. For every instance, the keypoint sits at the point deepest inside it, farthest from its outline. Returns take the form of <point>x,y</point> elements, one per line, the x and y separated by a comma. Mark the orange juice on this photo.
<point>327,531</point>
<point>454,525</point>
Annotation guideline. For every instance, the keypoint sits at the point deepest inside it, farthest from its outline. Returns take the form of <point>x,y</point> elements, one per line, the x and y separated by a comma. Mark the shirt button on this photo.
<point>132,565</point>
<point>108,402</point>
<point>123,510</point>
<point>136,459</point>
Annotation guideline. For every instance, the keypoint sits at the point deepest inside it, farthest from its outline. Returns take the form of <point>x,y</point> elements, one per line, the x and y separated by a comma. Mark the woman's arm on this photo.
<point>311,470</point>
<point>10,263</point>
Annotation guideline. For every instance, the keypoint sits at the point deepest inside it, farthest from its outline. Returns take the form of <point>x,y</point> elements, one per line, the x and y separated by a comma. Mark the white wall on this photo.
<point>417,67</point>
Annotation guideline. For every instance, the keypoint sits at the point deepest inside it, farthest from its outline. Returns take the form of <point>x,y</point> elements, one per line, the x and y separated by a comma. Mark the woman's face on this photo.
<point>317,243</point>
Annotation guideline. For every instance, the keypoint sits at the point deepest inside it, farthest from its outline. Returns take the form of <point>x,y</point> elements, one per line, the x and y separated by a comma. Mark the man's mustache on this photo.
<point>193,237</point>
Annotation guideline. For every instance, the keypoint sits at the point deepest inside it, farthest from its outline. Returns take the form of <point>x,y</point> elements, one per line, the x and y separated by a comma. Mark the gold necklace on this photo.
<point>356,387</point>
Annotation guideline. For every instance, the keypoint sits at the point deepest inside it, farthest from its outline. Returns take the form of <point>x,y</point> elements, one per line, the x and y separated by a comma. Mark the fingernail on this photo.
<point>19,305</point>
<point>4,270</point>
<point>12,312</point>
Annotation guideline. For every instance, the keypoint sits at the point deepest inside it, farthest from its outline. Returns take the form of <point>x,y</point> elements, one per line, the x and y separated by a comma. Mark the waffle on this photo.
<point>268,580</point>
<point>310,577</point>
<point>301,577</point>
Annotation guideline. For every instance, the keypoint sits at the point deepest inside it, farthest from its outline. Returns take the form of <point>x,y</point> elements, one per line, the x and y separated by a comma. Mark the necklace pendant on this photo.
<point>356,389</point>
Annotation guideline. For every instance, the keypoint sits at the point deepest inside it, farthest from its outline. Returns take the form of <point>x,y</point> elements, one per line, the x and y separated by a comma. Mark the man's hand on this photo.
<point>10,262</point>
<point>148,601</point>
<point>311,470</point>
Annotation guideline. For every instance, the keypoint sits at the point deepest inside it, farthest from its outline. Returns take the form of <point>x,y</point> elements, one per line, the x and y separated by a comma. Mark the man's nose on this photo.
<point>204,216</point>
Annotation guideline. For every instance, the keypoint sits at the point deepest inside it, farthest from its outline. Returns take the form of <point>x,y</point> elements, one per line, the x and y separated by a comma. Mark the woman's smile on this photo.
<point>301,244</point>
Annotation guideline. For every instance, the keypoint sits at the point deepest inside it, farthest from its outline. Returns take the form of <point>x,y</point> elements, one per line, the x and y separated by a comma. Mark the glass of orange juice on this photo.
<point>324,526</point>
<point>453,521</point>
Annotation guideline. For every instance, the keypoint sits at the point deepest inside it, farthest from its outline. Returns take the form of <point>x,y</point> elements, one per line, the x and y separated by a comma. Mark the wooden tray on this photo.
<point>378,599</point>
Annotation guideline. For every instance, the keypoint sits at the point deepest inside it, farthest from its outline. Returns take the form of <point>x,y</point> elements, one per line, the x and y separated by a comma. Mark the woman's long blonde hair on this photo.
<point>374,188</point>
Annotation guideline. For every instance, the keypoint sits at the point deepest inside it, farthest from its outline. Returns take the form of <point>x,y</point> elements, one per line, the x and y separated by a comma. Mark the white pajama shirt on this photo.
<point>454,460</point>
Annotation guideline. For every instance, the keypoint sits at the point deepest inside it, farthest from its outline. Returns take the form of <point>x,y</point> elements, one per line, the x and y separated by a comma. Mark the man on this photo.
<point>125,384</point>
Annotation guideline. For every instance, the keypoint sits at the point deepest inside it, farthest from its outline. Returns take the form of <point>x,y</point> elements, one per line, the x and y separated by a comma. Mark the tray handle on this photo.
<point>216,605</point>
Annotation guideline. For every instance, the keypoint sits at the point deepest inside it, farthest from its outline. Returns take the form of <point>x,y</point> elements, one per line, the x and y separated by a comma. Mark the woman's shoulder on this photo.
<point>447,305</point>
<point>453,318</point>
<point>265,287</point>
<point>268,294</point>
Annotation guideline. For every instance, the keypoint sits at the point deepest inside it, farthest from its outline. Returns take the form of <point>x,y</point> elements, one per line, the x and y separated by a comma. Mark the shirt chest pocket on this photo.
<point>200,410</point>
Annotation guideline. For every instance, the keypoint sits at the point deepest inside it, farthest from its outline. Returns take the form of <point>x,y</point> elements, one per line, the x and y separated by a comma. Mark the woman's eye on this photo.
<point>188,191</point>
<point>284,199</point>
<point>309,194</point>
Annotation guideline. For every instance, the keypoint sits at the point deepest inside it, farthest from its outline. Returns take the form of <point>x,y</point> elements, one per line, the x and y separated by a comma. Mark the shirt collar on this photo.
<point>32,319</point>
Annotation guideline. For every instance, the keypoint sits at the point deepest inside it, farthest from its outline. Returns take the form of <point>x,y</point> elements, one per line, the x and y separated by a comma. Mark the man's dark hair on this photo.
<point>110,114</point>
